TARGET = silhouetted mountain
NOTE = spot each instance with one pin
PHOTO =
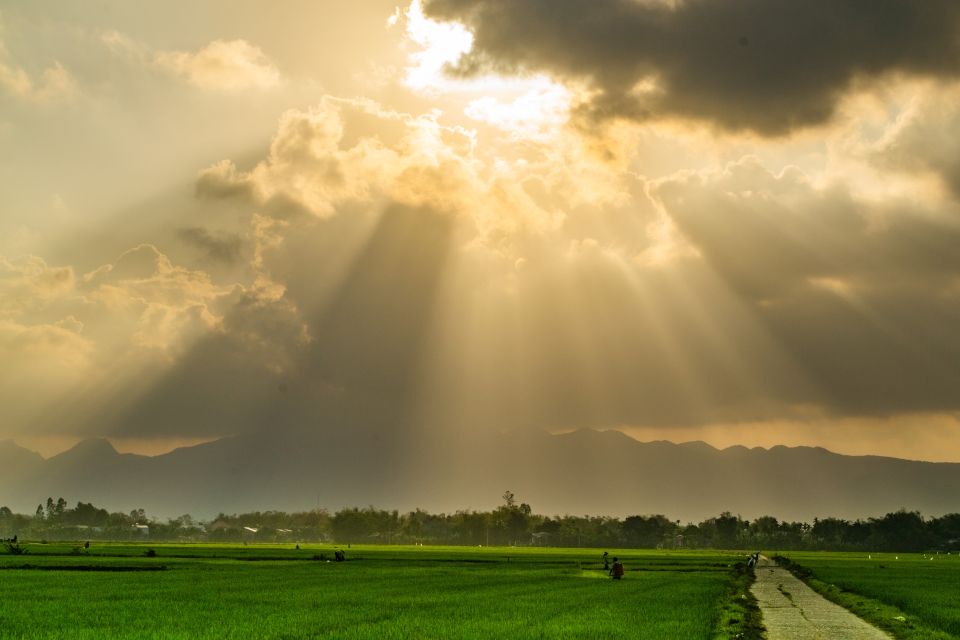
(91, 452)
(582, 472)
(17, 461)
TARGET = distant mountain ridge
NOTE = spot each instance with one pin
(581, 472)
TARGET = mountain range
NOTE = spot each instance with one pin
(581, 472)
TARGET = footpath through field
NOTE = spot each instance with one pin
(793, 611)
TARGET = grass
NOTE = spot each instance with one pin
(275, 591)
(911, 596)
(740, 616)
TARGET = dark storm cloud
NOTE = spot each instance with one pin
(764, 65)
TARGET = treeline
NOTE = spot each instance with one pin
(57, 521)
(512, 523)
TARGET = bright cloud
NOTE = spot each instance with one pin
(527, 106)
(226, 65)
(439, 46)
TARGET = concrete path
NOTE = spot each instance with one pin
(793, 611)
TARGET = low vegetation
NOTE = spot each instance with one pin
(740, 616)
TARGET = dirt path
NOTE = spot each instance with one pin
(793, 611)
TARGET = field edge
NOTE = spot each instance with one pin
(880, 614)
(740, 617)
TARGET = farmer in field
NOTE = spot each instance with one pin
(616, 571)
(606, 561)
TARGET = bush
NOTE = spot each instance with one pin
(15, 548)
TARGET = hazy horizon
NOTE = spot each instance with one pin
(716, 437)
(421, 223)
(584, 471)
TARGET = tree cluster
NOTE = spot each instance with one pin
(511, 523)
(55, 520)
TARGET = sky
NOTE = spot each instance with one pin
(734, 221)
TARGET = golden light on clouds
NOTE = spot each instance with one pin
(531, 105)
(439, 46)
(463, 216)
(226, 65)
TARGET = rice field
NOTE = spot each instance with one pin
(912, 596)
(277, 591)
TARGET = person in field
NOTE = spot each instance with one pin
(606, 561)
(616, 571)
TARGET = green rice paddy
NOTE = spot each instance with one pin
(276, 591)
(912, 596)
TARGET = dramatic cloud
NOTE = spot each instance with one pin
(164, 304)
(224, 65)
(121, 325)
(768, 66)
(312, 168)
(467, 252)
(306, 167)
(361, 237)
(229, 381)
(413, 258)
(857, 293)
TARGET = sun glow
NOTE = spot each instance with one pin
(529, 106)
(441, 44)
(541, 108)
